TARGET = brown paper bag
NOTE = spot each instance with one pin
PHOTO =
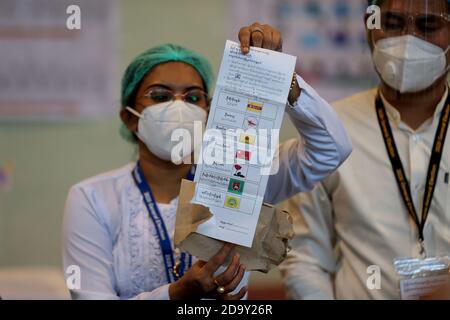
(270, 243)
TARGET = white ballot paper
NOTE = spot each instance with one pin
(240, 140)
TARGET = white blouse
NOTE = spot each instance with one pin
(108, 234)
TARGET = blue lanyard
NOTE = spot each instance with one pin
(174, 271)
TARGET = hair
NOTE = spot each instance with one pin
(149, 59)
(378, 3)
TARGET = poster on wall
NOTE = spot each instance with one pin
(58, 59)
(327, 36)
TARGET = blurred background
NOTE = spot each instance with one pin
(59, 101)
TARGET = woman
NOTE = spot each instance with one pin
(111, 229)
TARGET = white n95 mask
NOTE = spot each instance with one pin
(158, 122)
(409, 64)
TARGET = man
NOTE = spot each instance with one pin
(357, 221)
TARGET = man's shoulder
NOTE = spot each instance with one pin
(359, 102)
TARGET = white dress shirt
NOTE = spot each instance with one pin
(356, 217)
(107, 231)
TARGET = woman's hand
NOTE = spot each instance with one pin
(260, 35)
(199, 282)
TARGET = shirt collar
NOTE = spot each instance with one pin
(395, 115)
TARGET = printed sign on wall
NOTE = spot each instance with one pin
(58, 59)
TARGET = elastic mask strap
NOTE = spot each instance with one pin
(137, 114)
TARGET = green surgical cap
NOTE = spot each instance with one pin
(146, 61)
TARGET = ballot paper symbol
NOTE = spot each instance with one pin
(237, 171)
(254, 107)
(247, 139)
(242, 154)
(236, 186)
(232, 202)
(251, 123)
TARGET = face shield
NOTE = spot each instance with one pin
(410, 49)
(427, 20)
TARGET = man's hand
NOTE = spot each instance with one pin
(260, 35)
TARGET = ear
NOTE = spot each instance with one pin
(368, 31)
(366, 16)
(130, 120)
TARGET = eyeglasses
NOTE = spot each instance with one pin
(396, 23)
(194, 96)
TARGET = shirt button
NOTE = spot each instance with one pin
(414, 137)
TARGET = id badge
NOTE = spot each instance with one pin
(426, 278)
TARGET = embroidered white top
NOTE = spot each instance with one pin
(107, 231)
